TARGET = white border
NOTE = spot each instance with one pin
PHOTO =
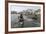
(23, 29)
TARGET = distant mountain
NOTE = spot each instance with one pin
(28, 11)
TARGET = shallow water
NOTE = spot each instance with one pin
(27, 22)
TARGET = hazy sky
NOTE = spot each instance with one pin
(21, 8)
